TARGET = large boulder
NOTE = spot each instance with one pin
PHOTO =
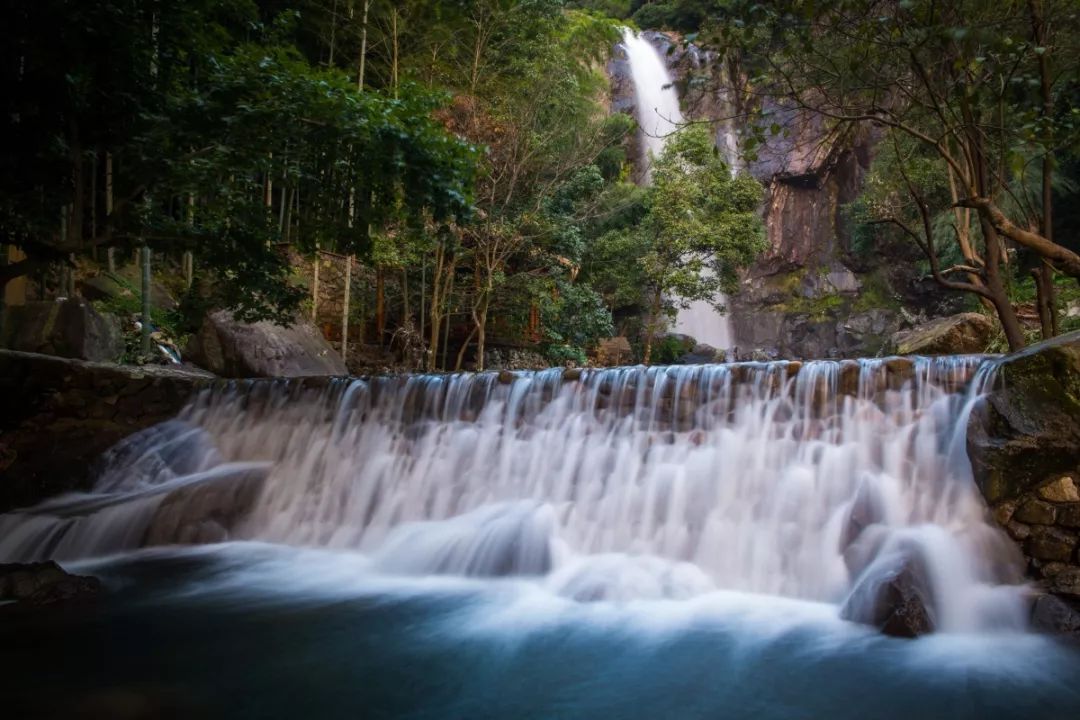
(232, 348)
(953, 335)
(895, 600)
(1026, 434)
(67, 328)
(44, 583)
(1056, 615)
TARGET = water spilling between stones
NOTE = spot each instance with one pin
(818, 481)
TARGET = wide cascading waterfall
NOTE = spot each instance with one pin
(792, 479)
(659, 115)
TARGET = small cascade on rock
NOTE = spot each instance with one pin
(829, 481)
(659, 115)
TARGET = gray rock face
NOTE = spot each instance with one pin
(44, 583)
(954, 335)
(230, 348)
(69, 328)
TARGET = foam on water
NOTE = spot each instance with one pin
(781, 479)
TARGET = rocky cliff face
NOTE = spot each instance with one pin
(807, 296)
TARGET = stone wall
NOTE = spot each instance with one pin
(1024, 442)
(59, 415)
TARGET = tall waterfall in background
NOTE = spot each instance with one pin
(817, 481)
(659, 115)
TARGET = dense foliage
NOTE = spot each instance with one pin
(971, 106)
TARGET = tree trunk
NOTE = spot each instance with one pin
(109, 252)
(650, 330)
(345, 308)
(380, 305)
(363, 47)
(145, 257)
(315, 287)
(1014, 333)
(1045, 300)
(480, 314)
(461, 350)
(1044, 279)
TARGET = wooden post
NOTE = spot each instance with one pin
(345, 309)
(109, 252)
(315, 289)
(145, 345)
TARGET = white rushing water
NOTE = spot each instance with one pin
(811, 481)
(659, 115)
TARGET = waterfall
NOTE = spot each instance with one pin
(802, 480)
(659, 115)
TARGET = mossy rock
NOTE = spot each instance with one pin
(1027, 432)
(953, 335)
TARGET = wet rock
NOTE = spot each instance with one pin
(1050, 543)
(571, 374)
(57, 417)
(953, 335)
(896, 602)
(1017, 531)
(68, 328)
(1003, 513)
(1065, 580)
(1028, 430)
(231, 348)
(44, 583)
(1057, 615)
(1036, 512)
(506, 377)
(1061, 490)
(1069, 515)
(208, 512)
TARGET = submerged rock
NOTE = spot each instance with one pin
(954, 335)
(896, 602)
(231, 348)
(1056, 615)
(44, 583)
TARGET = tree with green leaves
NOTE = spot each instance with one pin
(975, 86)
(221, 137)
(702, 227)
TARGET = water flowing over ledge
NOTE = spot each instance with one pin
(818, 481)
